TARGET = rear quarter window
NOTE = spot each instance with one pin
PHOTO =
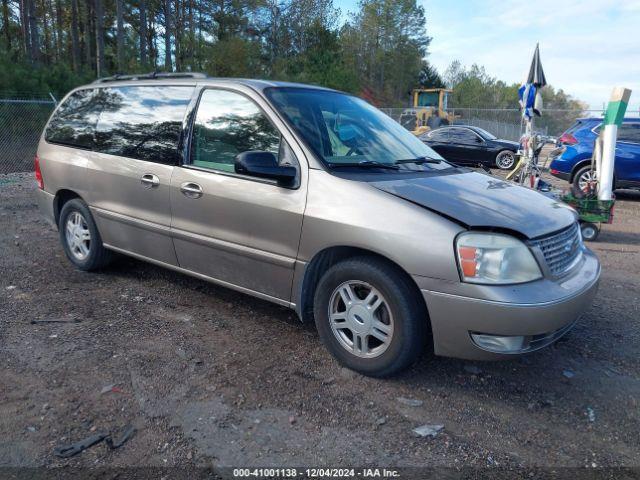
(74, 122)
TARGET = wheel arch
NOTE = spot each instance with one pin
(583, 163)
(579, 165)
(325, 259)
(62, 196)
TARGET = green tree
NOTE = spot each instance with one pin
(387, 41)
(474, 88)
(429, 77)
(322, 61)
(53, 45)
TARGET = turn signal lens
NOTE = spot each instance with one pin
(468, 261)
(495, 259)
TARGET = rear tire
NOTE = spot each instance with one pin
(80, 237)
(580, 179)
(382, 328)
(506, 160)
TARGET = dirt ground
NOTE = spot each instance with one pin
(210, 377)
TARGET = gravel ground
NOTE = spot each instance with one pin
(210, 377)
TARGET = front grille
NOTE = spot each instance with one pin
(561, 250)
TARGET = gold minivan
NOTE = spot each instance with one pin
(313, 199)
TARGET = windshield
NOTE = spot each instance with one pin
(428, 99)
(343, 130)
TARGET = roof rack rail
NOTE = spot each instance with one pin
(151, 76)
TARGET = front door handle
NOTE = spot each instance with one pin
(191, 190)
(149, 180)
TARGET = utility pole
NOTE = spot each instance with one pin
(167, 36)
(119, 36)
(143, 33)
(99, 38)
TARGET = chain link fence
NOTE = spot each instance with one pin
(507, 123)
(21, 124)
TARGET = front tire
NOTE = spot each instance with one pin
(370, 317)
(80, 237)
(505, 160)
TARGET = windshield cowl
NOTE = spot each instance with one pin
(401, 165)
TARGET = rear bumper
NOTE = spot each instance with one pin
(455, 318)
(45, 204)
(558, 174)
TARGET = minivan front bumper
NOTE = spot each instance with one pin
(489, 329)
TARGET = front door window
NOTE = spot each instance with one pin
(228, 123)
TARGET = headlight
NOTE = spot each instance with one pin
(493, 258)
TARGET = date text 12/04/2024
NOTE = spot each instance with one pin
(315, 473)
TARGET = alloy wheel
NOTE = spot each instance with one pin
(78, 235)
(361, 319)
(505, 160)
(586, 180)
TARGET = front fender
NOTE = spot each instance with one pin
(342, 212)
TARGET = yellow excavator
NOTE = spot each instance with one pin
(429, 110)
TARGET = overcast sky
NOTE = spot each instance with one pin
(587, 47)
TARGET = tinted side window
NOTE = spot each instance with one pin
(629, 132)
(74, 122)
(144, 123)
(462, 135)
(227, 124)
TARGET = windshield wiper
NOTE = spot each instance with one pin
(366, 164)
(418, 160)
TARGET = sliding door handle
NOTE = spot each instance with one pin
(149, 180)
(191, 190)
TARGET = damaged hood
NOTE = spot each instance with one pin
(482, 201)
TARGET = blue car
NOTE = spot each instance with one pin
(574, 163)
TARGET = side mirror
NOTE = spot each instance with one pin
(264, 165)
